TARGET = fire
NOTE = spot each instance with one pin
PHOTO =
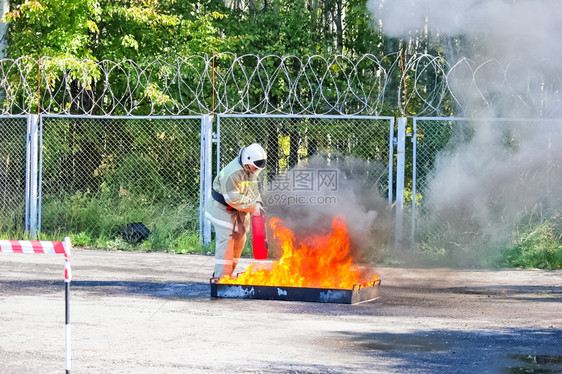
(319, 261)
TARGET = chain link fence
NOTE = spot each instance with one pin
(476, 181)
(13, 132)
(319, 167)
(293, 140)
(431, 138)
(468, 182)
(101, 173)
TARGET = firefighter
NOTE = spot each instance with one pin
(235, 196)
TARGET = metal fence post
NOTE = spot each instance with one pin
(40, 177)
(27, 170)
(414, 176)
(202, 177)
(207, 138)
(400, 171)
(390, 161)
(31, 184)
(218, 141)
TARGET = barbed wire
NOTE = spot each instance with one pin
(230, 83)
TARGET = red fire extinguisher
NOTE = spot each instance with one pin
(259, 237)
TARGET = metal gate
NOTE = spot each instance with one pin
(292, 140)
(471, 177)
(95, 174)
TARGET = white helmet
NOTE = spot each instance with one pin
(253, 155)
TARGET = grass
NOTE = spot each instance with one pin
(536, 243)
(538, 246)
(94, 221)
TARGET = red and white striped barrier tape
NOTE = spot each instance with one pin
(31, 246)
(35, 246)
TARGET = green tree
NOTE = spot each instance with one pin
(113, 30)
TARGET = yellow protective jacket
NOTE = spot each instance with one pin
(238, 186)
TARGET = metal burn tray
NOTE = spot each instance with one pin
(359, 293)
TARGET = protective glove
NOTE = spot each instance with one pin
(257, 210)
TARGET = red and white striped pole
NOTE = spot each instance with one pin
(67, 277)
(34, 246)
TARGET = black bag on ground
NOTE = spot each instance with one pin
(134, 233)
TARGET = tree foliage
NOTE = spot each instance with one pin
(149, 29)
(143, 31)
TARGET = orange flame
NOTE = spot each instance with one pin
(319, 261)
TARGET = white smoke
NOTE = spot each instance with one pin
(353, 196)
(525, 26)
(518, 40)
(511, 68)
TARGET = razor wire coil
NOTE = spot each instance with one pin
(271, 84)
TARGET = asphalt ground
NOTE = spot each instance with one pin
(134, 312)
